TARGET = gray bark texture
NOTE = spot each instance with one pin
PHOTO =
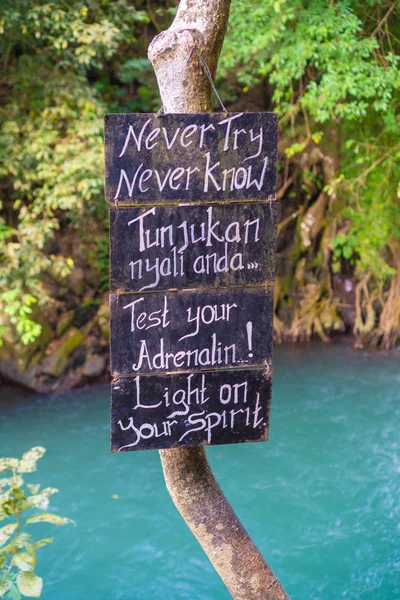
(185, 88)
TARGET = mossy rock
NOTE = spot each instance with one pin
(94, 366)
(64, 322)
(59, 352)
(22, 354)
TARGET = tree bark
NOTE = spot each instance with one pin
(184, 87)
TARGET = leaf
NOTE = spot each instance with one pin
(15, 502)
(317, 136)
(29, 584)
(8, 463)
(295, 149)
(4, 496)
(49, 518)
(44, 542)
(42, 499)
(12, 482)
(3, 558)
(5, 586)
(24, 561)
(22, 540)
(347, 252)
(27, 464)
(6, 532)
(13, 593)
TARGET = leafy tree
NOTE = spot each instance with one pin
(57, 61)
(333, 75)
(331, 70)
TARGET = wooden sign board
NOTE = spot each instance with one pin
(202, 157)
(190, 330)
(214, 407)
(188, 247)
(192, 245)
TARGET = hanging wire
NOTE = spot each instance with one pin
(207, 72)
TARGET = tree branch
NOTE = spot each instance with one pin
(181, 78)
(184, 87)
(207, 512)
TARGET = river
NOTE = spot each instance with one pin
(321, 498)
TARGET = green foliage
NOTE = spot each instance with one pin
(58, 60)
(370, 178)
(331, 70)
(334, 76)
(21, 505)
(343, 247)
(318, 57)
(18, 307)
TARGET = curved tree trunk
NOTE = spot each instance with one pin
(185, 88)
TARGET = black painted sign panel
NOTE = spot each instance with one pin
(190, 331)
(193, 219)
(160, 411)
(182, 157)
(161, 248)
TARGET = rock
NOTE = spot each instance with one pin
(94, 366)
(59, 351)
(27, 377)
(18, 361)
(21, 354)
(64, 322)
(36, 358)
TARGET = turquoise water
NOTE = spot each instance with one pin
(321, 498)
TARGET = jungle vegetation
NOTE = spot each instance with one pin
(329, 68)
